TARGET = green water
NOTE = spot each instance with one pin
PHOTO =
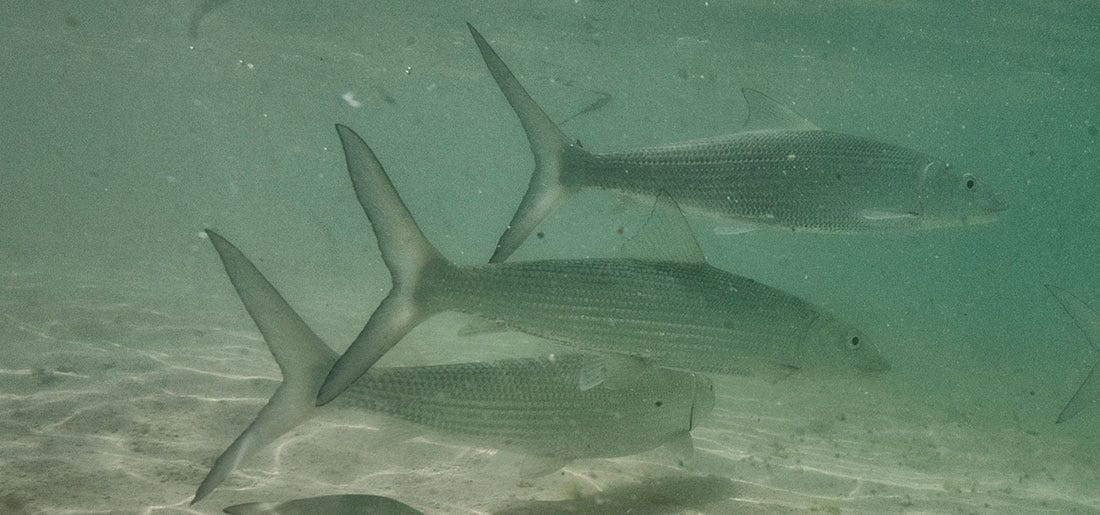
(127, 363)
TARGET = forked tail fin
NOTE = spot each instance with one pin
(302, 356)
(1088, 321)
(407, 254)
(548, 144)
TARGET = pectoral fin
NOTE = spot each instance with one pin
(879, 214)
(1088, 393)
(533, 467)
(682, 448)
(768, 114)
(611, 372)
(732, 228)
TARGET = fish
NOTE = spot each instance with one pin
(554, 408)
(1087, 321)
(780, 171)
(673, 494)
(659, 495)
(674, 310)
(342, 504)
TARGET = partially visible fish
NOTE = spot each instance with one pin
(782, 171)
(674, 494)
(200, 12)
(1088, 321)
(679, 313)
(558, 408)
(346, 504)
(659, 495)
(562, 407)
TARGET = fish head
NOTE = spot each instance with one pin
(951, 197)
(834, 344)
(702, 401)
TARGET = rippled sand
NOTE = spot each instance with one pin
(120, 400)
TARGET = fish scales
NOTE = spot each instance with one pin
(671, 313)
(781, 172)
(798, 179)
(556, 407)
(537, 404)
(681, 315)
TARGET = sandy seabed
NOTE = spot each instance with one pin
(118, 401)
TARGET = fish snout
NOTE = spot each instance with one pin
(995, 204)
(875, 365)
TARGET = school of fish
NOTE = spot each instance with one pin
(646, 329)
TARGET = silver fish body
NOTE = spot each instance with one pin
(789, 174)
(811, 180)
(561, 407)
(681, 314)
(540, 406)
(690, 316)
(341, 504)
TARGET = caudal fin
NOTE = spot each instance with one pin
(1088, 321)
(548, 144)
(407, 254)
(302, 356)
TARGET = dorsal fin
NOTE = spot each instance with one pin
(766, 113)
(666, 236)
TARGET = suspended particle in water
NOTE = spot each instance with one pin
(349, 98)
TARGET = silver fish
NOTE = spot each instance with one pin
(783, 171)
(682, 314)
(346, 504)
(562, 407)
(1088, 321)
(557, 408)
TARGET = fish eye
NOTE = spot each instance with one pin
(969, 182)
(854, 342)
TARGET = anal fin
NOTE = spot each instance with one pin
(479, 326)
(666, 236)
(682, 448)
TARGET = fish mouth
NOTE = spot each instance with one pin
(875, 366)
(994, 206)
(987, 214)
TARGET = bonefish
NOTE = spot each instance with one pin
(682, 314)
(554, 408)
(782, 171)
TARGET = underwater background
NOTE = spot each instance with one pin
(127, 362)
